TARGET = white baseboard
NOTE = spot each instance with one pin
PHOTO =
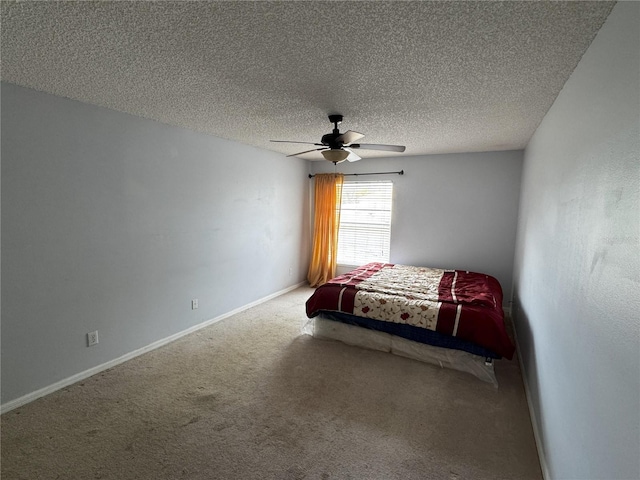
(534, 420)
(30, 397)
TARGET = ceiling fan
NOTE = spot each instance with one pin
(337, 147)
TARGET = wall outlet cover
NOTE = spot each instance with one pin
(92, 338)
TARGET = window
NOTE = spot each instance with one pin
(365, 223)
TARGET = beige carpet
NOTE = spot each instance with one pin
(249, 398)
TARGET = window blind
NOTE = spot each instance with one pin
(365, 222)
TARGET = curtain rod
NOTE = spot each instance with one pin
(401, 172)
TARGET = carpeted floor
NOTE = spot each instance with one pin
(249, 398)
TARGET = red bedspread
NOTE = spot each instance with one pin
(466, 305)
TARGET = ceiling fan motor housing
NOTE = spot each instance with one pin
(330, 138)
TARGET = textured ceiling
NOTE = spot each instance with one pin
(435, 76)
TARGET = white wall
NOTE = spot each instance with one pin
(450, 211)
(577, 274)
(114, 223)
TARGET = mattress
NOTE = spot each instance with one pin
(480, 367)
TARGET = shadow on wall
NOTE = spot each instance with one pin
(525, 347)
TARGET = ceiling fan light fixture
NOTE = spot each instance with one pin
(335, 156)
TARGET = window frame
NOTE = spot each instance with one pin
(353, 261)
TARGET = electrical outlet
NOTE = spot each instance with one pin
(290, 271)
(92, 338)
(194, 304)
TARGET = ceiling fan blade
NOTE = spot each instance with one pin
(353, 157)
(349, 137)
(375, 146)
(307, 151)
(293, 141)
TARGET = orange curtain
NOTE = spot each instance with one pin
(328, 195)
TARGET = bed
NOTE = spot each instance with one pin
(452, 318)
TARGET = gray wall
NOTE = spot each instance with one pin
(114, 223)
(450, 211)
(577, 279)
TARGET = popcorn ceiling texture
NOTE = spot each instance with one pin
(435, 76)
